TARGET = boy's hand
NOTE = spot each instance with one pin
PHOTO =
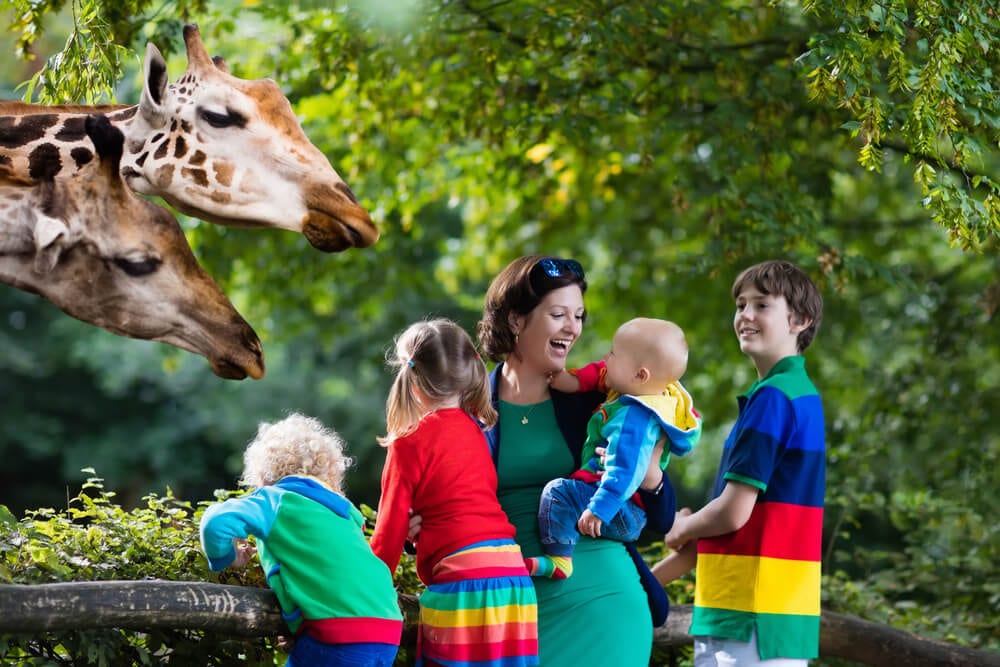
(676, 538)
(244, 553)
(565, 382)
(589, 524)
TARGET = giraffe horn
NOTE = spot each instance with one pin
(198, 57)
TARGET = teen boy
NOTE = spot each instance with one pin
(757, 589)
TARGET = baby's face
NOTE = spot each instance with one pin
(622, 367)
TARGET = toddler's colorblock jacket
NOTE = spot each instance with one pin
(314, 553)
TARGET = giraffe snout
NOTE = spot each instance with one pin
(349, 226)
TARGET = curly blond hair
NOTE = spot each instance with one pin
(296, 445)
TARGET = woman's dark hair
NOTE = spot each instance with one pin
(519, 288)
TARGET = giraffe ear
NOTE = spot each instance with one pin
(48, 232)
(154, 86)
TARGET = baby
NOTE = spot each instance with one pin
(646, 405)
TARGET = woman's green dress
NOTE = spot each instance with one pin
(599, 616)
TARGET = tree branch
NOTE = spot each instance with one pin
(964, 172)
(492, 25)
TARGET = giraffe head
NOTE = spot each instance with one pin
(116, 260)
(231, 151)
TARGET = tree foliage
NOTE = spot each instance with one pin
(667, 145)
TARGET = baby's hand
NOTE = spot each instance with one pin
(565, 382)
(244, 553)
(589, 524)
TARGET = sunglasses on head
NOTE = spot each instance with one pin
(555, 267)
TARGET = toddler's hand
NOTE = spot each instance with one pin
(244, 553)
(589, 524)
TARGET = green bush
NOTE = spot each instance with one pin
(95, 539)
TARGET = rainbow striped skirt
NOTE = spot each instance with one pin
(480, 610)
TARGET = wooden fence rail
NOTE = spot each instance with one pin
(240, 611)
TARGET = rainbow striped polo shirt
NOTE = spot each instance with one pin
(766, 575)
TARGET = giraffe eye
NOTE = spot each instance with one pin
(222, 120)
(136, 268)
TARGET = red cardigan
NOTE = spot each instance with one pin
(443, 472)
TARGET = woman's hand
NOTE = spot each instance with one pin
(654, 473)
(676, 564)
(416, 522)
(410, 545)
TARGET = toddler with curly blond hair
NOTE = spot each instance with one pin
(336, 596)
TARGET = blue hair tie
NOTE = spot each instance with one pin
(410, 362)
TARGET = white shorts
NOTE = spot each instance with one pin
(716, 652)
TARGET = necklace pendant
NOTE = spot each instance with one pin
(524, 419)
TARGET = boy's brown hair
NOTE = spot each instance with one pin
(785, 279)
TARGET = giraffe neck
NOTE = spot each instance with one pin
(39, 143)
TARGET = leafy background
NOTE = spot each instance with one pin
(667, 146)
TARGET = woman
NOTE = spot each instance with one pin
(532, 316)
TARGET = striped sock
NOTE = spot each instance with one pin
(563, 567)
(552, 567)
(538, 567)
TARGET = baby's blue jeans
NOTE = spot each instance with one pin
(563, 500)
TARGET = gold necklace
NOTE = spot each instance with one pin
(524, 417)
